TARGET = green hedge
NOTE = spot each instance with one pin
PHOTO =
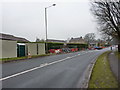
(52, 45)
(57, 45)
(79, 46)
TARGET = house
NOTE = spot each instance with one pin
(92, 44)
(77, 40)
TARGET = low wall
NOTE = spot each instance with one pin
(32, 48)
(36, 48)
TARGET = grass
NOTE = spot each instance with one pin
(117, 54)
(21, 58)
(3, 60)
(102, 76)
(14, 58)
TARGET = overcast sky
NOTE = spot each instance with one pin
(25, 18)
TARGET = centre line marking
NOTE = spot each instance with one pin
(38, 67)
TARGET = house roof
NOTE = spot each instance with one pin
(11, 37)
(76, 39)
(53, 40)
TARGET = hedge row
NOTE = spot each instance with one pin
(57, 45)
(69, 45)
(79, 46)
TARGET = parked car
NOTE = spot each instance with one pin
(98, 48)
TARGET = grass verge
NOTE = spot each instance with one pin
(21, 58)
(12, 59)
(102, 76)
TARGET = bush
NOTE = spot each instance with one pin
(79, 46)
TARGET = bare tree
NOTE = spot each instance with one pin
(39, 40)
(107, 14)
(106, 38)
(90, 37)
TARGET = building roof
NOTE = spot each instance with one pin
(53, 40)
(13, 38)
(77, 40)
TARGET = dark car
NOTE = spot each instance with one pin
(98, 48)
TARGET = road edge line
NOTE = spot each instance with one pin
(88, 73)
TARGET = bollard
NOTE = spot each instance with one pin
(111, 48)
(29, 55)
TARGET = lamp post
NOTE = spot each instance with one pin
(46, 46)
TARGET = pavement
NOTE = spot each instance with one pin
(115, 65)
(58, 71)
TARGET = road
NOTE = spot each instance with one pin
(57, 71)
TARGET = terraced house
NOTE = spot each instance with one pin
(79, 40)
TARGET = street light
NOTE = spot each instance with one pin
(46, 24)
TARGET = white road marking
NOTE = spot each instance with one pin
(38, 67)
(42, 65)
(19, 73)
(68, 57)
(73, 56)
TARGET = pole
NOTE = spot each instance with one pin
(46, 30)
(46, 43)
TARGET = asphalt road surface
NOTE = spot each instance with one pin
(57, 71)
